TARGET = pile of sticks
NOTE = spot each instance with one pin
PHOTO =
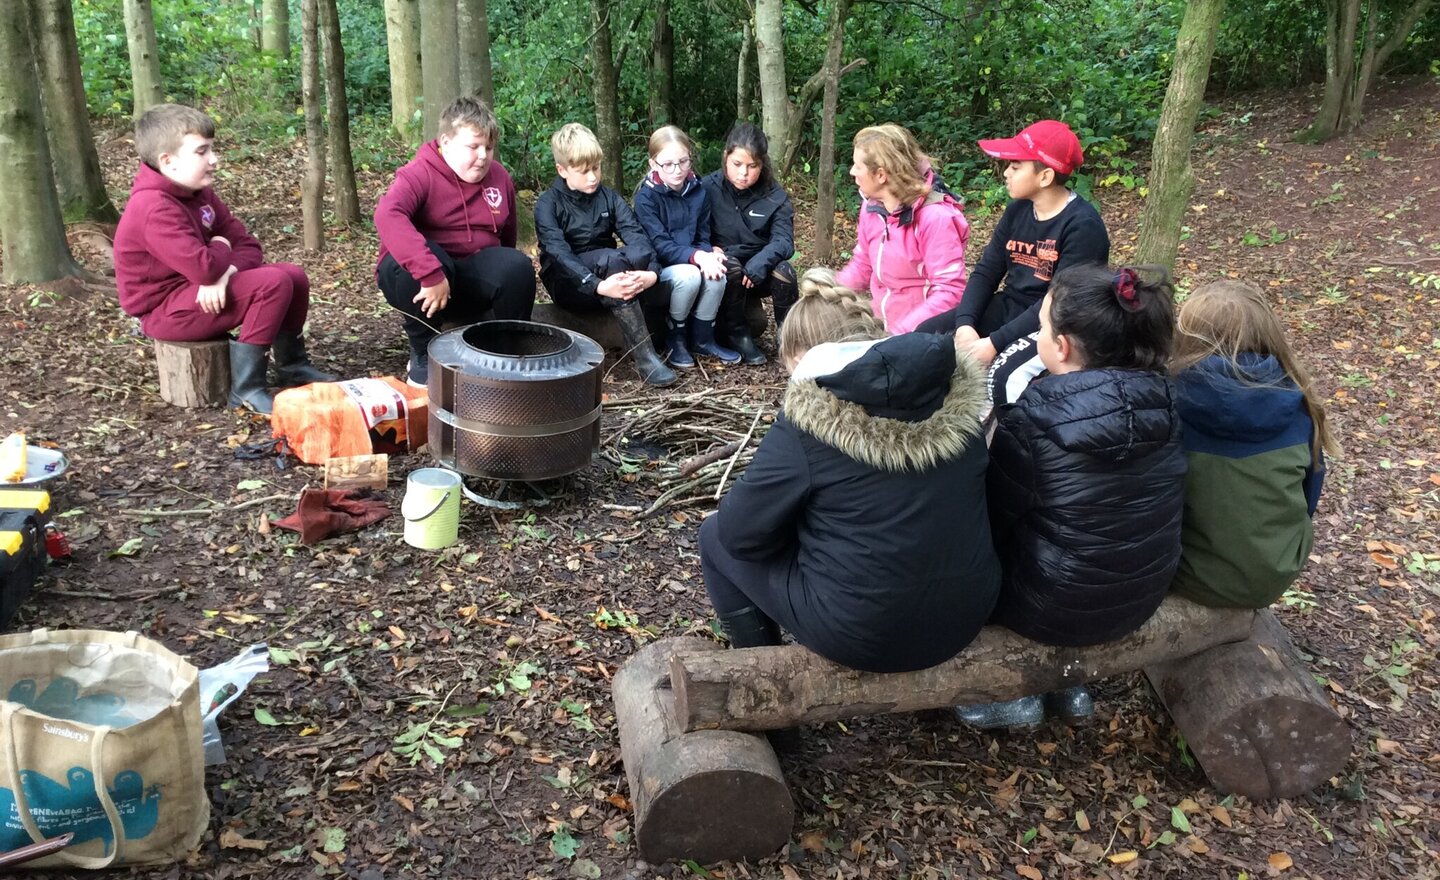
(710, 436)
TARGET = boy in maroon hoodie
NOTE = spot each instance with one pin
(447, 230)
(186, 267)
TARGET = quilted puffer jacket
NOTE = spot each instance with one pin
(1086, 491)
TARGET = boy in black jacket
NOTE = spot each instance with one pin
(581, 265)
(1045, 228)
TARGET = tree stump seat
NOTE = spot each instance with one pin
(690, 715)
(194, 374)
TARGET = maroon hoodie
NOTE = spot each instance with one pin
(427, 201)
(164, 243)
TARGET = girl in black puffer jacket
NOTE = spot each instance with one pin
(1086, 478)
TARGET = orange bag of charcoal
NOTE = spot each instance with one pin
(325, 420)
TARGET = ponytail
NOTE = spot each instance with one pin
(1122, 318)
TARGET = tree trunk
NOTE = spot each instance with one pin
(78, 179)
(439, 59)
(275, 28)
(825, 190)
(144, 56)
(662, 67)
(605, 91)
(1172, 178)
(342, 164)
(32, 233)
(312, 187)
(1253, 715)
(476, 76)
(402, 37)
(1348, 77)
(706, 795)
(743, 89)
(795, 128)
(774, 688)
(774, 92)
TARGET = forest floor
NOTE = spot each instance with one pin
(509, 639)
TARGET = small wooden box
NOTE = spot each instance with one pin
(357, 472)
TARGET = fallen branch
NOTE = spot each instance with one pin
(694, 464)
(200, 511)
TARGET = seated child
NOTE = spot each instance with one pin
(577, 220)
(1044, 229)
(1255, 438)
(675, 211)
(911, 233)
(186, 267)
(1087, 475)
(860, 526)
(752, 223)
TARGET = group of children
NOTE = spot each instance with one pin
(1130, 455)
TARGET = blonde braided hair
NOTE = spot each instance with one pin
(826, 312)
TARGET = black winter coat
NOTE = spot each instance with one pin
(868, 494)
(569, 223)
(1086, 491)
(756, 226)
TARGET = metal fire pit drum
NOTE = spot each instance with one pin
(514, 400)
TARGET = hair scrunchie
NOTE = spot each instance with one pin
(1126, 291)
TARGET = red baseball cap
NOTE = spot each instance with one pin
(1047, 141)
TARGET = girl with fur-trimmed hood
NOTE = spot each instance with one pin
(860, 525)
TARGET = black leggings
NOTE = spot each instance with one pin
(780, 285)
(499, 280)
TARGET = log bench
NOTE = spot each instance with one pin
(602, 327)
(194, 374)
(706, 785)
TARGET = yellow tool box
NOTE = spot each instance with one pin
(23, 513)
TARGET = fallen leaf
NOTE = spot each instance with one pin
(813, 841)
(1082, 821)
(1221, 815)
(1196, 845)
(232, 839)
(403, 801)
(1280, 861)
(1387, 746)
(1124, 858)
(1028, 872)
(1386, 562)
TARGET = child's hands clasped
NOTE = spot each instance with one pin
(711, 264)
(211, 297)
(626, 285)
(969, 342)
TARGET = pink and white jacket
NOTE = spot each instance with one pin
(911, 261)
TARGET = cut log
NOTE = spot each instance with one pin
(599, 326)
(605, 330)
(710, 795)
(773, 688)
(194, 374)
(1254, 716)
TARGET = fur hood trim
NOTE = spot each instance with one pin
(892, 444)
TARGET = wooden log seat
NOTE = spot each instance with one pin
(602, 328)
(194, 374)
(707, 795)
(1253, 715)
(705, 789)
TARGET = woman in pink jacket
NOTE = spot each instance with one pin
(910, 246)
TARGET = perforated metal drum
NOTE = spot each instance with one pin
(514, 400)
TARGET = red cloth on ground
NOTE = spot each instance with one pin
(325, 512)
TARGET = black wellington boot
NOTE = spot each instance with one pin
(737, 330)
(638, 345)
(292, 362)
(247, 377)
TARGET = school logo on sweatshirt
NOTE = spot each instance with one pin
(207, 216)
(493, 198)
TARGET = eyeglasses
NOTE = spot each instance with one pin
(672, 167)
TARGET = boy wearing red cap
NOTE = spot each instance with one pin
(1045, 228)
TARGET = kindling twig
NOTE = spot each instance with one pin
(725, 476)
(219, 508)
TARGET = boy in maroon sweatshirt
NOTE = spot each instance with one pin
(186, 267)
(447, 230)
